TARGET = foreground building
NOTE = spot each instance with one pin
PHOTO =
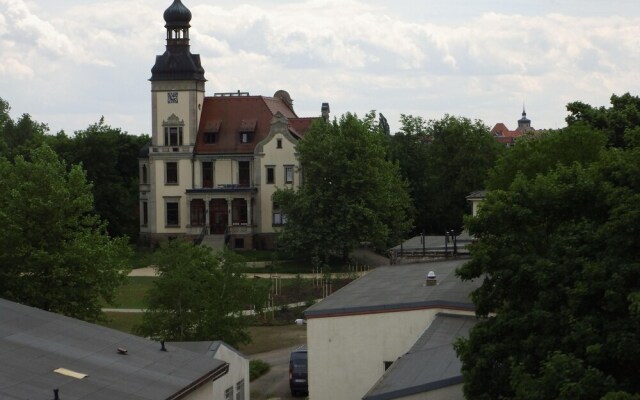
(41, 352)
(389, 335)
(214, 162)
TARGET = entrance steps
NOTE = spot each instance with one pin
(216, 242)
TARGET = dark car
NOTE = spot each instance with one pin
(298, 371)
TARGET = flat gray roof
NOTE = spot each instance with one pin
(431, 363)
(397, 288)
(33, 343)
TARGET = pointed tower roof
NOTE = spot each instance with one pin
(524, 118)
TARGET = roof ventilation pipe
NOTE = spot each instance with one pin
(431, 279)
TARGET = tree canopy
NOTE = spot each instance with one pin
(443, 160)
(558, 255)
(199, 295)
(54, 250)
(350, 192)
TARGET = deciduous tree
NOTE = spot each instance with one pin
(350, 192)
(54, 250)
(199, 295)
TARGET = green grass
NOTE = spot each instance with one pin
(124, 322)
(257, 368)
(267, 338)
(142, 257)
(131, 294)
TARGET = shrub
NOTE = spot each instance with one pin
(257, 368)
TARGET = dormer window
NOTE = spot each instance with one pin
(279, 143)
(210, 137)
(247, 130)
(211, 131)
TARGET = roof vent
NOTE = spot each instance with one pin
(431, 279)
(122, 350)
(162, 348)
(55, 394)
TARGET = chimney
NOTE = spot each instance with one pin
(325, 112)
(431, 279)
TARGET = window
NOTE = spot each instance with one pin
(210, 137)
(143, 174)
(279, 143)
(239, 243)
(145, 213)
(173, 136)
(239, 211)
(228, 393)
(278, 217)
(244, 173)
(246, 137)
(207, 174)
(197, 212)
(171, 173)
(271, 174)
(173, 213)
(240, 390)
(288, 174)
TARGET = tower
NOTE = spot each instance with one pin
(177, 85)
(524, 123)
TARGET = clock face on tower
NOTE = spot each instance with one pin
(172, 97)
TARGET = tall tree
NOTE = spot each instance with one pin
(54, 251)
(544, 151)
(198, 296)
(459, 158)
(617, 121)
(18, 138)
(110, 157)
(350, 192)
(559, 258)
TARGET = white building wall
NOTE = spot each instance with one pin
(204, 392)
(238, 371)
(347, 353)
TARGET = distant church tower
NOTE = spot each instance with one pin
(524, 123)
(177, 85)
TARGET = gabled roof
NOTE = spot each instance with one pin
(34, 343)
(430, 364)
(228, 116)
(399, 288)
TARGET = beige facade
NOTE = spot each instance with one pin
(214, 162)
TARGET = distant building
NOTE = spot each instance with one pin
(476, 198)
(42, 351)
(390, 334)
(214, 162)
(507, 137)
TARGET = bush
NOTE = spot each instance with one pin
(257, 368)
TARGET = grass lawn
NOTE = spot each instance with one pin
(131, 294)
(122, 321)
(267, 338)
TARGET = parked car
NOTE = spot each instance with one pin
(298, 382)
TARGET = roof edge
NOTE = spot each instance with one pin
(211, 375)
(427, 387)
(380, 309)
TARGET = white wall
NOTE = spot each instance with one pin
(347, 353)
(238, 370)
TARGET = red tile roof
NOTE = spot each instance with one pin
(231, 115)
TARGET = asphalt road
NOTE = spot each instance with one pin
(275, 383)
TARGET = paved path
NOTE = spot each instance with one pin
(275, 383)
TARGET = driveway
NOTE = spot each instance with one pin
(275, 383)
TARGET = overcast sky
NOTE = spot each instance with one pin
(69, 62)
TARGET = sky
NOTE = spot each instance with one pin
(67, 63)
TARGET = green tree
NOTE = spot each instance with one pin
(54, 251)
(544, 151)
(18, 138)
(110, 157)
(199, 295)
(459, 159)
(559, 259)
(617, 121)
(350, 192)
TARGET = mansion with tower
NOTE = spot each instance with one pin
(214, 162)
